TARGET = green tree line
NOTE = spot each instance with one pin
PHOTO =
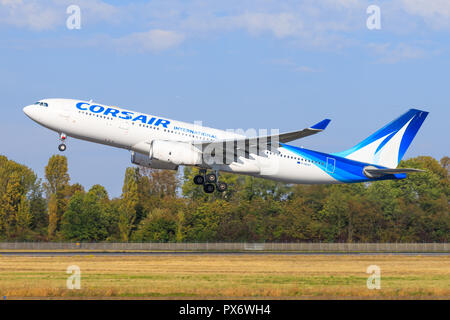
(163, 206)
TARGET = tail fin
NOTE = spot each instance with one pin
(387, 146)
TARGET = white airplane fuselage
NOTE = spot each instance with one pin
(135, 131)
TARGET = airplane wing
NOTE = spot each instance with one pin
(245, 146)
(294, 135)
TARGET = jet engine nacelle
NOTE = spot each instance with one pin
(179, 153)
(145, 161)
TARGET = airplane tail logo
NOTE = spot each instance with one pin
(387, 146)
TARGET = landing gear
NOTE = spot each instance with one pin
(199, 179)
(208, 188)
(211, 178)
(210, 182)
(222, 186)
(62, 147)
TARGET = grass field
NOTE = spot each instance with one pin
(227, 276)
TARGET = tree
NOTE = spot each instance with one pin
(336, 211)
(150, 209)
(158, 226)
(17, 182)
(264, 188)
(58, 191)
(52, 215)
(10, 202)
(38, 209)
(445, 163)
(84, 219)
(23, 218)
(203, 223)
(156, 182)
(155, 187)
(180, 220)
(129, 201)
(100, 193)
(56, 174)
(112, 214)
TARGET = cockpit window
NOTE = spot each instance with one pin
(42, 104)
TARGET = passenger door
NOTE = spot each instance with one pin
(331, 164)
(124, 125)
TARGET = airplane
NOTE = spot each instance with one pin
(163, 143)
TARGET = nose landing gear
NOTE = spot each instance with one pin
(210, 182)
(62, 147)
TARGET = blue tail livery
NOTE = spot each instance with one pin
(387, 146)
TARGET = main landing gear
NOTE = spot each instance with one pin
(62, 147)
(210, 182)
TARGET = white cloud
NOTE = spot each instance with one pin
(281, 25)
(42, 15)
(293, 66)
(305, 24)
(435, 13)
(393, 53)
(318, 24)
(98, 10)
(306, 69)
(34, 15)
(150, 41)
(343, 3)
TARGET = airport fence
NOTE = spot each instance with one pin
(229, 246)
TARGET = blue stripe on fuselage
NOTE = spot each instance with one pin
(345, 170)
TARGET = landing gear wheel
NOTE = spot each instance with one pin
(199, 179)
(222, 186)
(208, 188)
(62, 147)
(211, 178)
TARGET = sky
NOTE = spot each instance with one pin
(230, 64)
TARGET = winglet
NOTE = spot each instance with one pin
(321, 125)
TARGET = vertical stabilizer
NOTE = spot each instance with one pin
(387, 146)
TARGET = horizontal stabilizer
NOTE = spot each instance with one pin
(373, 172)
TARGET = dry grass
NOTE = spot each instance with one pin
(220, 276)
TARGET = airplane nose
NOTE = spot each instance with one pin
(30, 111)
(27, 110)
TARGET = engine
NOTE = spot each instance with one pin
(166, 155)
(143, 160)
(179, 153)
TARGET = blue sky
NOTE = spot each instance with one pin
(232, 64)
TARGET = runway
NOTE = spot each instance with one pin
(203, 253)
